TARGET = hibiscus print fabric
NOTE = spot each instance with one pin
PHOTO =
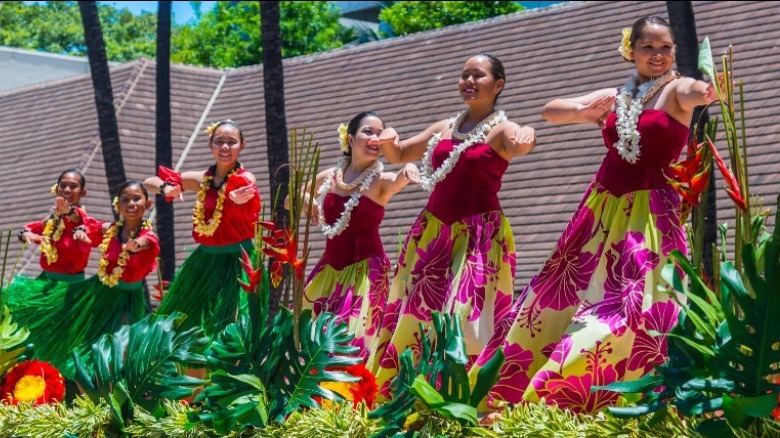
(466, 268)
(356, 294)
(589, 317)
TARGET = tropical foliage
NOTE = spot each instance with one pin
(407, 17)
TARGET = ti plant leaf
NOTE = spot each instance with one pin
(139, 364)
(11, 338)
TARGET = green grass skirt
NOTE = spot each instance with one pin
(206, 288)
(62, 316)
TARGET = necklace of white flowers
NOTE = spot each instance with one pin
(365, 178)
(628, 109)
(428, 177)
(113, 278)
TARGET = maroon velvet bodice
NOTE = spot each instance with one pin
(472, 186)
(661, 140)
(360, 240)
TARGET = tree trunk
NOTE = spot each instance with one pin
(684, 27)
(104, 97)
(163, 155)
(275, 121)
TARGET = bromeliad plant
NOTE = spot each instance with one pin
(724, 354)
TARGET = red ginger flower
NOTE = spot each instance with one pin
(283, 247)
(688, 177)
(254, 275)
(732, 187)
(364, 390)
(33, 381)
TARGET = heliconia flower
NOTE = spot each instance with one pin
(284, 249)
(689, 177)
(270, 226)
(254, 275)
(364, 390)
(33, 381)
(732, 188)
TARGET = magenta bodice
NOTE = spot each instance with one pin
(661, 139)
(471, 187)
(360, 240)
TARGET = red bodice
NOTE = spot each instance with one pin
(72, 255)
(140, 264)
(661, 140)
(471, 187)
(360, 240)
(238, 221)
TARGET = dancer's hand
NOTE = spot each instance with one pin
(242, 195)
(524, 139)
(62, 206)
(79, 233)
(172, 191)
(388, 137)
(133, 245)
(598, 110)
(314, 216)
(411, 173)
(30, 237)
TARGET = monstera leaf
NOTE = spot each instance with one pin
(325, 344)
(11, 336)
(138, 364)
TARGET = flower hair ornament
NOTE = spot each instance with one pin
(625, 46)
(343, 138)
(115, 204)
(53, 189)
(213, 127)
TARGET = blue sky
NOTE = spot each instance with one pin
(182, 10)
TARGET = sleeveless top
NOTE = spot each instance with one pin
(360, 240)
(238, 221)
(471, 187)
(661, 138)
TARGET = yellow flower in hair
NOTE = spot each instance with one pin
(53, 190)
(625, 45)
(343, 138)
(115, 204)
(210, 130)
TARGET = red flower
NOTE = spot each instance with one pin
(364, 389)
(732, 187)
(33, 381)
(688, 177)
(284, 249)
(254, 275)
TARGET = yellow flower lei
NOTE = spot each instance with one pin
(112, 279)
(51, 235)
(198, 215)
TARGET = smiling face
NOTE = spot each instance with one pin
(369, 127)
(133, 202)
(226, 144)
(477, 83)
(653, 51)
(70, 188)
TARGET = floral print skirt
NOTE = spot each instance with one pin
(466, 268)
(356, 294)
(589, 317)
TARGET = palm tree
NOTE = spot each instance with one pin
(275, 120)
(162, 144)
(104, 96)
(684, 27)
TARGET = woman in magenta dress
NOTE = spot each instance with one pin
(206, 287)
(459, 257)
(586, 318)
(351, 278)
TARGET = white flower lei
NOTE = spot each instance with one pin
(428, 177)
(341, 224)
(628, 111)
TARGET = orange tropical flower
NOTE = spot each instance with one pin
(33, 381)
(690, 176)
(364, 390)
(732, 186)
(283, 247)
(254, 275)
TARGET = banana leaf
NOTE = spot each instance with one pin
(139, 364)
